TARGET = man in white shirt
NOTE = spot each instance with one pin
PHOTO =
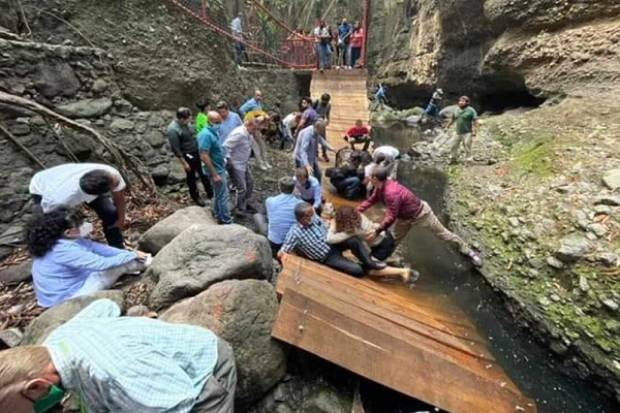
(73, 184)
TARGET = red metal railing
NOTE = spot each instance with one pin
(289, 49)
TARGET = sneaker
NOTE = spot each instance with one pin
(475, 258)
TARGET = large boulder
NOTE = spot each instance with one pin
(56, 80)
(242, 313)
(86, 108)
(203, 255)
(43, 325)
(166, 230)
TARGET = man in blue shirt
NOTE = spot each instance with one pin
(230, 120)
(308, 188)
(121, 365)
(281, 213)
(344, 37)
(256, 103)
(212, 156)
(305, 153)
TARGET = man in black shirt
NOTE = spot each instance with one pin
(185, 148)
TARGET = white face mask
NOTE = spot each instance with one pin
(86, 229)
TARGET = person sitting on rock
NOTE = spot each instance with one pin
(347, 179)
(73, 184)
(308, 189)
(348, 226)
(281, 213)
(309, 239)
(358, 134)
(67, 264)
(122, 365)
(405, 210)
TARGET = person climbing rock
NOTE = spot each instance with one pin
(380, 95)
(73, 184)
(68, 264)
(405, 210)
(359, 133)
(466, 119)
(432, 109)
(214, 161)
(185, 147)
(122, 365)
(308, 237)
(281, 213)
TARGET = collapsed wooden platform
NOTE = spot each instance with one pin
(410, 341)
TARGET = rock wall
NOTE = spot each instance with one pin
(494, 48)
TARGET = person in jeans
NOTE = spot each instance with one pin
(99, 186)
(405, 210)
(308, 237)
(213, 159)
(466, 119)
(322, 39)
(356, 44)
(281, 213)
(306, 153)
(185, 147)
(122, 365)
(344, 38)
(67, 264)
(236, 29)
(237, 150)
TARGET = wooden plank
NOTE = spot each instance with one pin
(307, 321)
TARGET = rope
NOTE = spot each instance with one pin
(215, 28)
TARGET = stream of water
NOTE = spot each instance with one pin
(533, 367)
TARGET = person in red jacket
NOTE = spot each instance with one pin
(405, 210)
(358, 134)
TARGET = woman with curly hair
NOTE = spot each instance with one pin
(67, 264)
(348, 225)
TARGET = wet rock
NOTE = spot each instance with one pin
(56, 80)
(242, 313)
(573, 248)
(122, 125)
(611, 304)
(555, 263)
(166, 230)
(86, 108)
(611, 179)
(43, 325)
(203, 255)
(305, 395)
(11, 337)
(16, 274)
(154, 138)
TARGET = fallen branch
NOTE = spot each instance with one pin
(27, 151)
(125, 161)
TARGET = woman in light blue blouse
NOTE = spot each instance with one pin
(67, 264)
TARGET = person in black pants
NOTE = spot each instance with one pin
(185, 148)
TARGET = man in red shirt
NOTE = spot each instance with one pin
(358, 134)
(404, 210)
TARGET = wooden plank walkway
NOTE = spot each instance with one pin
(410, 340)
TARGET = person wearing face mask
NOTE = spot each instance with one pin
(67, 264)
(120, 364)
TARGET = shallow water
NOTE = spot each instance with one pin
(531, 366)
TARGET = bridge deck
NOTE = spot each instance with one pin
(410, 340)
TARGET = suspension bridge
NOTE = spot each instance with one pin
(412, 341)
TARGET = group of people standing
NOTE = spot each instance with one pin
(341, 45)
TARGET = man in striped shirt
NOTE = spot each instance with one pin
(309, 239)
(122, 365)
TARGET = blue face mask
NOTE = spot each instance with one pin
(51, 400)
(216, 127)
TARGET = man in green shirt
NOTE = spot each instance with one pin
(466, 120)
(201, 117)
